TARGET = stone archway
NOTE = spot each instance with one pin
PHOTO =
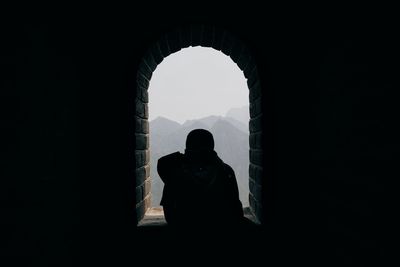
(171, 42)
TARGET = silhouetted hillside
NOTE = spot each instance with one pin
(231, 144)
(208, 121)
(211, 120)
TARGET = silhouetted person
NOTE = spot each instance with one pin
(199, 188)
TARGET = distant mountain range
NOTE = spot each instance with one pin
(231, 144)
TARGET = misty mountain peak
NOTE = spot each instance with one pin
(162, 125)
(161, 119)
(208, 121)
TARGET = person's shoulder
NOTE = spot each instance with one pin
(167, 164)
(228, 169)
(171, 157)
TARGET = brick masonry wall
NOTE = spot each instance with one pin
(256, 145)
(171, 42)
(142, 154)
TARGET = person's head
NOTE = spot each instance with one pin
(200, 140)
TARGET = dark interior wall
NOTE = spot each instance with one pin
(67, 105)
(39, 173)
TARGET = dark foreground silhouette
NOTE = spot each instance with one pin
(200, 190)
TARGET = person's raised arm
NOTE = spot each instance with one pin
(167, 164)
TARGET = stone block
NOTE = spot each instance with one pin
(141, 141)
(256, 174)
(174, 41)
(255, 91)
(147, 187)
(142, 81)
(145, 70)
(156, 53)
(142, 110)
(141, 93)
(255, 190)
(164, 47)
(255, 124)
(139, 158)
(141, 125)
(236, 51)
(253, 78)
(147, 202)
(139, 193)
(249, 67)
(244, 59)
(142, 158)
(145, 96)
(256, 140)
(252, 203)
(140, 210)
(140, 174)
(256, 157)
(255, 108)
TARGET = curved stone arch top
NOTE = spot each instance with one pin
(171, 42)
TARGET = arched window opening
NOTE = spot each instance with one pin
(209, 103)
(199, 88)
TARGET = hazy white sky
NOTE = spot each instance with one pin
(196, 82)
